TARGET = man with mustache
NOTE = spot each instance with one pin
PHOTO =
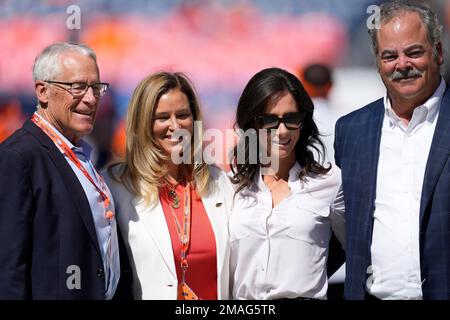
(58, 235)
(394, 157)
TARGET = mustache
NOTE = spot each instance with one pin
(405, 74)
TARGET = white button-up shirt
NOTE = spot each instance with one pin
(281, 252)
(404, 152)
(325, 118)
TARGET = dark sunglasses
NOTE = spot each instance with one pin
(292, 121)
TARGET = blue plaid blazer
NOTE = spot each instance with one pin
(357, 146)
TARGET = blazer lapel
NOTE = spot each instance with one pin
(155, 222)
(439, 153)
(216, 209)
(73, 185)
(370, 154)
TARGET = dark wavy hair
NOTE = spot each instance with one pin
(264, 89)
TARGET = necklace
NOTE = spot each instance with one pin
(184, 230)
(175, 200)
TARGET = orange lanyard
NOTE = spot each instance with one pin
(72, 157)
(184, 231)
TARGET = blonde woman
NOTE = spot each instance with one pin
(173, 215)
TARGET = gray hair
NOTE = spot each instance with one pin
(391, 9)
(46, 65)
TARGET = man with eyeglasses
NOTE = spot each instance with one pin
(58, 233)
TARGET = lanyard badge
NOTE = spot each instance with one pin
(72, 157)
(184, 230)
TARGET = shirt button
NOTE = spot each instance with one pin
(100, 273)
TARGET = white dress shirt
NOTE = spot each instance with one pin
(395, 269)
(325, 118)
(281, 252)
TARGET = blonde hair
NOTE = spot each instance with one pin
(143, 168)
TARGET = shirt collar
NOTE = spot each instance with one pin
(83, 146)
(294, 173)
(430, 108)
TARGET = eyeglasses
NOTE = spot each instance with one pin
(292, 121)
(79, 89)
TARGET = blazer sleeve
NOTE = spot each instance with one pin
(16, 218)
(337, 149)
(337, 241)
(337, 217)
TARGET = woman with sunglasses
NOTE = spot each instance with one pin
(286, 203)
(173, 213)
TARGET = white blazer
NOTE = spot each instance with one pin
(148, 242)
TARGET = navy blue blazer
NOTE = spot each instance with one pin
(357, 146)
(46, 226)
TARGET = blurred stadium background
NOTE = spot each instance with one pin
(219, 44)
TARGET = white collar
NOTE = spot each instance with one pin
(425, 112)
(294, 173)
